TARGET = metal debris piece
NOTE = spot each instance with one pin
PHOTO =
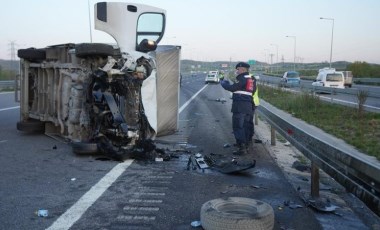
(322, 206)
(196, 223)
(42, 213)
(200, 161)
(294, 206)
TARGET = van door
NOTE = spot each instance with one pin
(129, 24)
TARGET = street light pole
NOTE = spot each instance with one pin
(295, 45)
(277, 54)
(332, 36)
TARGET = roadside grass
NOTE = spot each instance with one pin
(361, 130)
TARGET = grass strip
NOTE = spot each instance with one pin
(360, 129)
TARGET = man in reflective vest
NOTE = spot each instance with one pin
(242, 106)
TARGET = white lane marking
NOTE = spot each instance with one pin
(9, 108)
(192, 98)
(67, 219)
(75, 212)
(7, 92)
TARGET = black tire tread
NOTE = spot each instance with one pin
(32, 54)
(84, 50)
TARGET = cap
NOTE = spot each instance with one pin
(242, 64)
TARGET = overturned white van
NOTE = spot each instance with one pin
(102, 97)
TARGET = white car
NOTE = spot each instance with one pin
(212, 78)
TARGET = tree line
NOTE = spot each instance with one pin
(364, 69)
(6, 74)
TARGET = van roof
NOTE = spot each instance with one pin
(327, 69)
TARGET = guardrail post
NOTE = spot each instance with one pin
(314, 180)
(272, 136)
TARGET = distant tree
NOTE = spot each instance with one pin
(360, 69)
(375, 71)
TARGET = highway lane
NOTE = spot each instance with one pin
(146, 195)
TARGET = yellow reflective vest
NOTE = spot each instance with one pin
(255, 96)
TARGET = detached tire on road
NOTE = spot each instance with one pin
(84, 50)
(31, 126)
(236, 213)
(84, 148)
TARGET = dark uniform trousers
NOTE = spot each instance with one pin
(242, 126)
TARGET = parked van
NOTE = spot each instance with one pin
(329, 77)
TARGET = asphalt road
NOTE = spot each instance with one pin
(40, 172)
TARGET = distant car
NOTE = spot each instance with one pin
(291, 78)
(212, 78)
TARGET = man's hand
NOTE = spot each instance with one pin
(224, 82)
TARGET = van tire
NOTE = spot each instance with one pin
(84, 148)
(32, 54)
(236, 213)
(84, 50)
(31, 126)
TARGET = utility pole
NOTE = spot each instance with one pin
(271, 61)
(12, 44)
(283, 62)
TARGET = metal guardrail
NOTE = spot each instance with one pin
(366, 80)
(6, 84)
(357, 172)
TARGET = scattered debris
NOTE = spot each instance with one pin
(258, 141)
(226, 145)
(257, 187)
(73, 179)
(42, 213)
(301, 166)
(294, 206)
(229, 166)
(54, 147)
(322, 206)
(196, 223)
(303, 178)
(223, 100)
(287, 143)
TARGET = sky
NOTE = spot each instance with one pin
(214, 30)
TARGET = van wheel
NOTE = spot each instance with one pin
(32, 54)
(236, 213)
(84, 50)
(84, 148)
(31, 126)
